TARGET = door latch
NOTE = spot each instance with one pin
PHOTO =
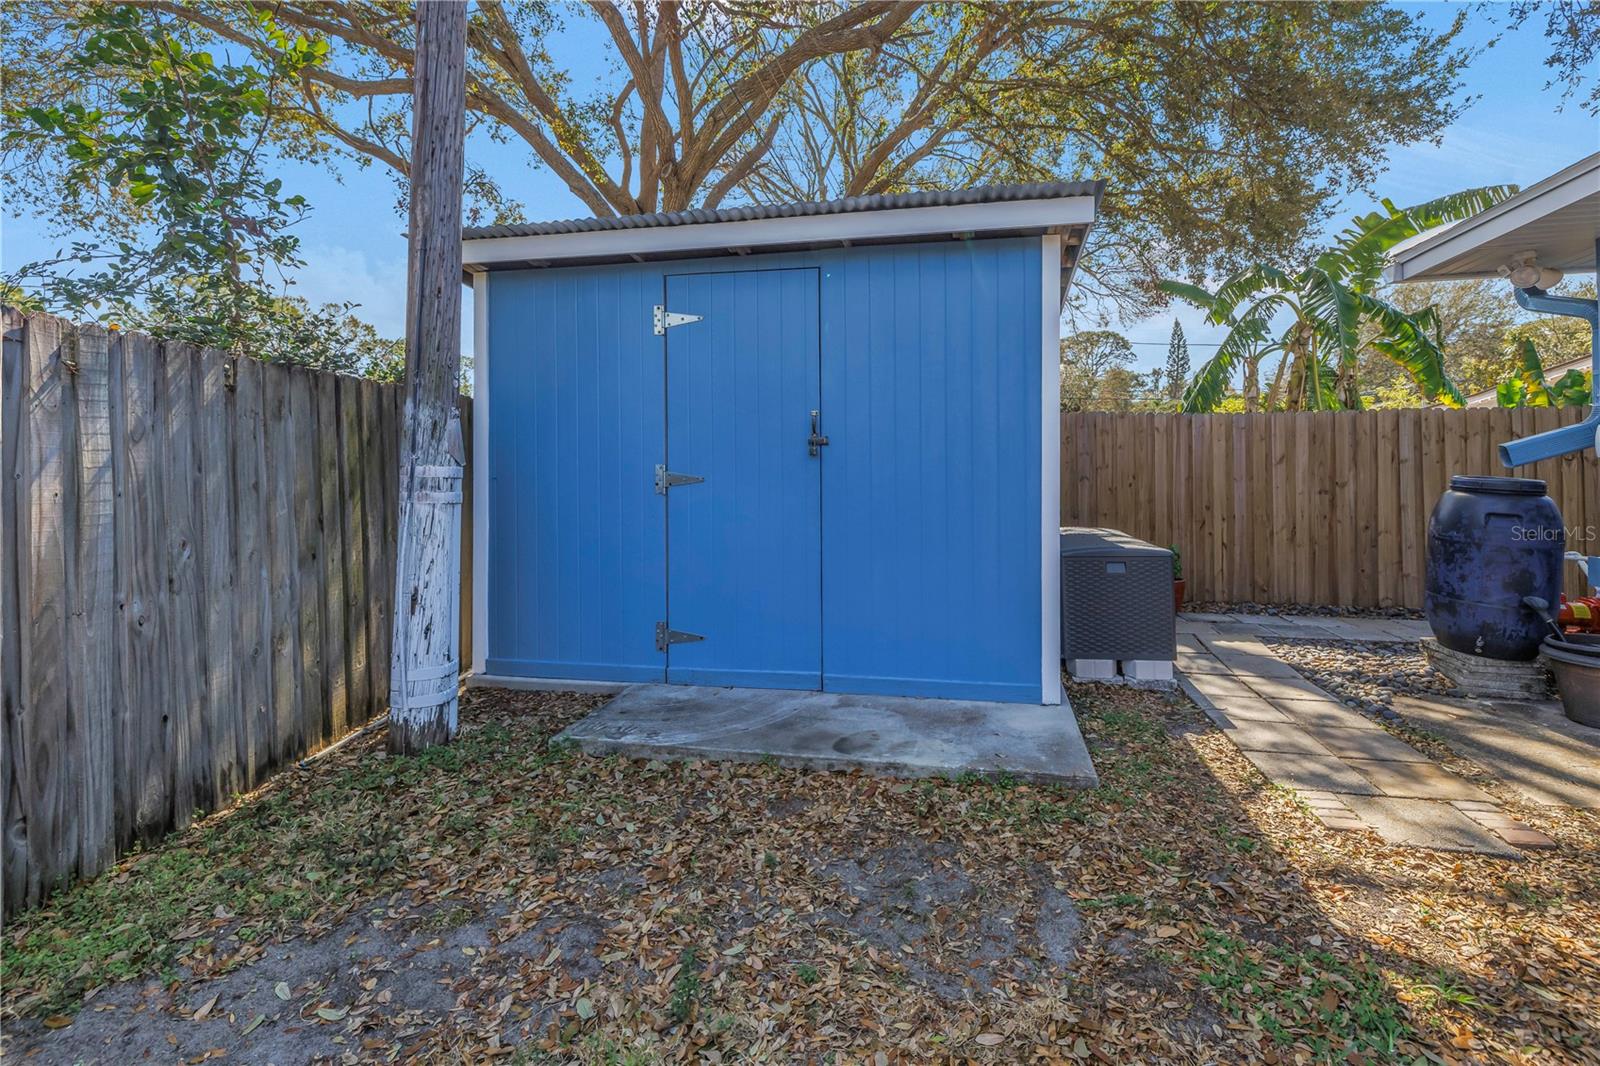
(665, 637)
(666, 479)
(816, 440)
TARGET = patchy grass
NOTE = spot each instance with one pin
(287, 858)
(1347, 1008)
(640, 912)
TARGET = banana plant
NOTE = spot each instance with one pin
(1333, 313)
(1528, 388)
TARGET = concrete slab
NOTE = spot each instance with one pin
(1263, 664)
(1252, 710)
(1195, 629)
(890, 735)
(1324, 712)
(1323, 773)
(1200, 663)
(1418, 780)
(1273, 736)
(1285, 688)
(1532, 747)
(1427, 824)
(1221, 687)
(1365, 744)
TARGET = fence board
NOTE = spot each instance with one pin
(46, 782)
(325, 389)
(352, 488)
(146, 720)
(252, 654)
(224, 714)
(1323, 508)
(283, 640)
(312, 716)
(14, 859)
(92, 636)
(190, 759)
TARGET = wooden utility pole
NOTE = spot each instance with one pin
(424, 671)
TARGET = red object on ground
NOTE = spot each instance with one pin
(1580, 614)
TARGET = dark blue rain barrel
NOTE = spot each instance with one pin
(1492, 541)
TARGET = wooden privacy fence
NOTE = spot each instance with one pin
(198, 575)
(1321, 508)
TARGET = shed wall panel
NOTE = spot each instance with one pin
(930, 393)
(576, 580)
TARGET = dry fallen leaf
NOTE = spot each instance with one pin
(205, 1008)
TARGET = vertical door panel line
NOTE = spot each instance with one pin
(666, 497)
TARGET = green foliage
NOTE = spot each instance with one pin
(1096, 376)
(685, 987)
(1223, 131)
(1335, 315)
(179, 142)
(1177, 363)
(1285, 992)
(274, 329)
(1527, 386)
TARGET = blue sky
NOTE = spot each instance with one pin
(354, 248)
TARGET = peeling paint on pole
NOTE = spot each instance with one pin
(424, 661)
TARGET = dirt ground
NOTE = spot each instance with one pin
(501, 899)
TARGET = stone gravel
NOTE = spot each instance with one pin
(1366, 675)
(1298, 610)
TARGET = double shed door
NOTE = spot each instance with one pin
(744, 542)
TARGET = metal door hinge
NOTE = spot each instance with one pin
(666, 479)
(666, 637)
(665, 319)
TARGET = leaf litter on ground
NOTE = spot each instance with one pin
(1183, 911)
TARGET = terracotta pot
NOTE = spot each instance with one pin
(1177, 594)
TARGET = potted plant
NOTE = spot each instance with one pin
(1177, 578)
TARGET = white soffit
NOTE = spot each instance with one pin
(1557, 218)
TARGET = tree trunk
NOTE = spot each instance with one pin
(1252, 383)
(423, 670)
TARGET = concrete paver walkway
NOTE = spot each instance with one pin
(1350, 771)
(1534, 747)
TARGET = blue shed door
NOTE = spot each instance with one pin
(744, 546)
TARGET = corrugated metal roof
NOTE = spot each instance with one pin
(985, 194)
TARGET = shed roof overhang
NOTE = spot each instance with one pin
(1067, 209)
(1558, 219)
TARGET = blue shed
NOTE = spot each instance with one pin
(813, 446)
